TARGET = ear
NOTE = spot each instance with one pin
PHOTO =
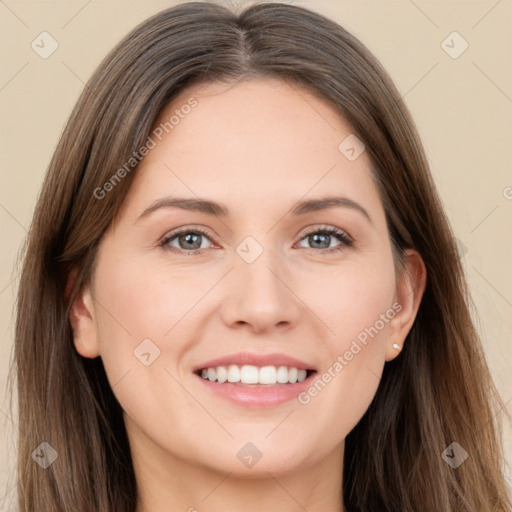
(409, 292)
(82, 318)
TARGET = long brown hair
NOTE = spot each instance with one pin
(438, 390)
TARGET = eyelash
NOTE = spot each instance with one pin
(345, 240)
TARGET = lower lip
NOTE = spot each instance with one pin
(257, 396)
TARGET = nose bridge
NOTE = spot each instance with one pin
(258, 267)
(261, 295)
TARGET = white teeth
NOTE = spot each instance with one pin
(282, 375)
(267, 375)
(249, 374)
(222, 374)
(233, 373)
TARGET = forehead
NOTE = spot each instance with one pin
(257, 140)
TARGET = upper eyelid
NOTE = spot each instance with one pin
(313, 229)
(202, 230)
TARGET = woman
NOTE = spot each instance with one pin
(240, 288)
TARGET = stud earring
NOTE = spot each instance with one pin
(396, 347)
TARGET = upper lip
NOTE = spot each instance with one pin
(242, 358)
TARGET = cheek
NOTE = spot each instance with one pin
(142, 326)
(142, 301)
(141, 314)
(351, 298)
(358, 307)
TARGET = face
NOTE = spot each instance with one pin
(284, 273)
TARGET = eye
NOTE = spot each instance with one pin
(187, 240)
(322, 238)
(193, 240)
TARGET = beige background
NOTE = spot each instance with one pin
(463, 108)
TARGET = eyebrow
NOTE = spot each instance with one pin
(218, 209)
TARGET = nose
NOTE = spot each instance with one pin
(260, 296)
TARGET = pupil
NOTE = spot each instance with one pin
(316, 237)
(189, 240)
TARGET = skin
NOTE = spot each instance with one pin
(258, 147)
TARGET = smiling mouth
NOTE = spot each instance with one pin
(254, 376)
